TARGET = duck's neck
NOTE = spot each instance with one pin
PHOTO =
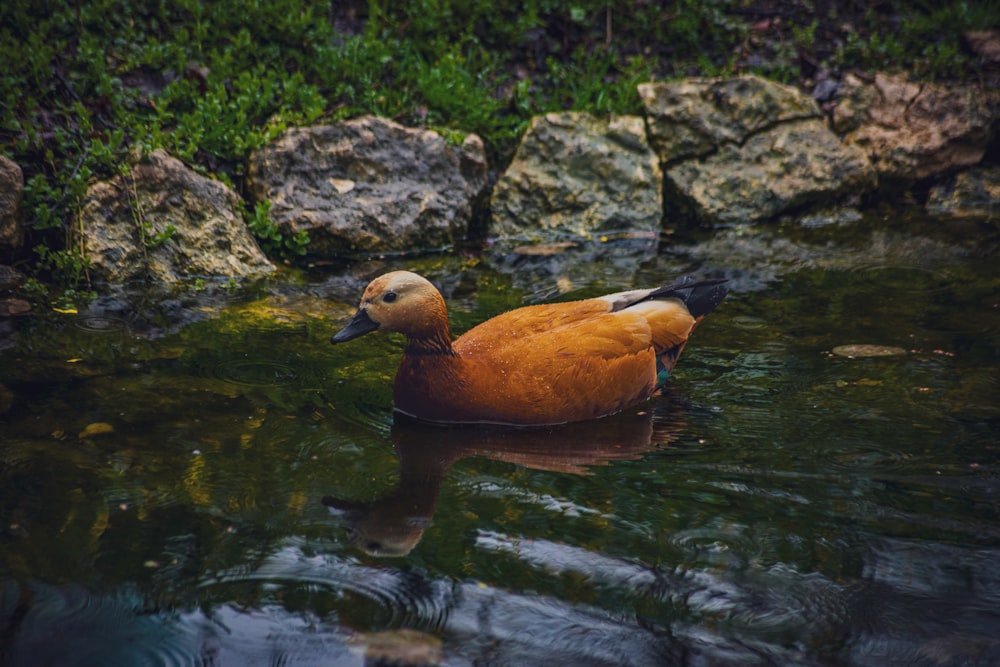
(438, 343)
(432, 336)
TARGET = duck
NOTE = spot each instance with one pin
(539, 365)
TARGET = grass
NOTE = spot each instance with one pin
(86, 86)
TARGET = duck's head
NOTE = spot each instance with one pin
(402, 302)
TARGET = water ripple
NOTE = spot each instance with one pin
(91, 629)
(864, 455)
(905, 277)
(101, 324)
(717, 545)
(405, 597)
(255, 372)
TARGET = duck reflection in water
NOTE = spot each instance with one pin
(394, 524)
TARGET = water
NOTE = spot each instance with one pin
(203, 479)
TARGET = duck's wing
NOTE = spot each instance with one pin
(579, 360)
(699, 296)
(530, 321)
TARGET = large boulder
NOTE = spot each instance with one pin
(370, 185)
(793, 165)
(693, 117)
(11, 189)
(576, 174)
(746, 150)
(165, 222)
(915, 130)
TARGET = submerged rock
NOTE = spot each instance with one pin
(576, 174)
(915, 130)
(370, 185)
(864, 350)
(11, 189)
(165, 222)
(747, 150)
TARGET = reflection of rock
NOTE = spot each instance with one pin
(915, 130)
(755, 256)
(746, 150)
(547, 270)
(970, 194)
(165, 222)
(370, 185)
(394, 524)
(11, 188)
(577, 174)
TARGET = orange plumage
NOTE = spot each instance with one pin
(538, 365)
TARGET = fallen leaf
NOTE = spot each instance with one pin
(97, 428)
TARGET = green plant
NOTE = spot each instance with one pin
(84, 85)
(270, 238)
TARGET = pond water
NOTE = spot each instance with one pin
(201, 478)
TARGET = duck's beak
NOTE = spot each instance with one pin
(358, 326)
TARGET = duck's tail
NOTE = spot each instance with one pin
(700, 297)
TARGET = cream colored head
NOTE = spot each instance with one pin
(400, 301)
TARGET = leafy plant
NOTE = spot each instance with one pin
(270, 238)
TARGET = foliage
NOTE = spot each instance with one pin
(270, 238)
(84, 86)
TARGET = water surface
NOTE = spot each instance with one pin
(201, 478)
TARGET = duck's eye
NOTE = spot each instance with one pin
(389, 297)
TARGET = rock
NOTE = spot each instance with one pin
(863, 350)
(970, 194)
(11, 306)
(576, 174)
(794, 164)
(10, 277)
(985, 44)
(11, 189)
(746, 150)
(694, 117)
(370, 185)
(825, 89)
(912, 130)
(165, 222)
